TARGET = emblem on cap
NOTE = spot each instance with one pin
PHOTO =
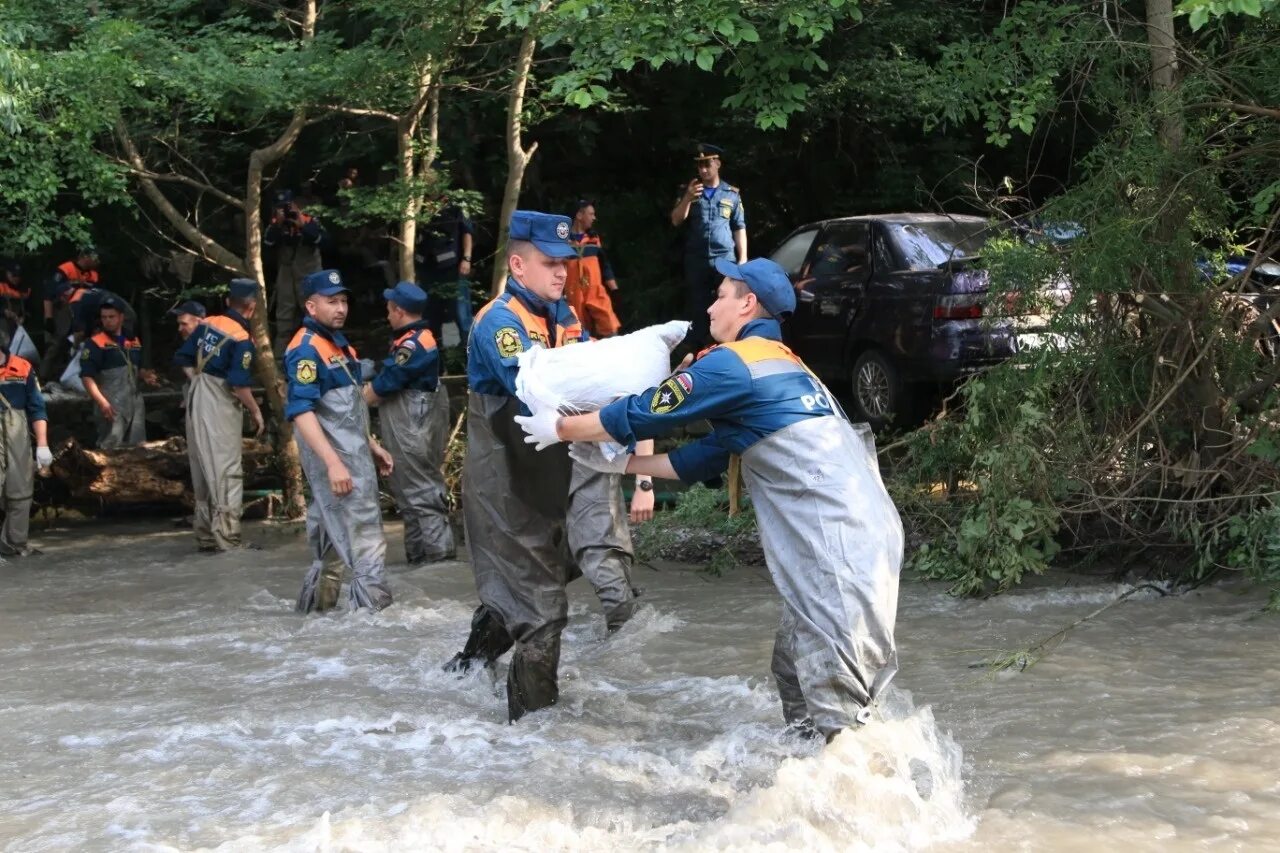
(334, 278)
(562, 230)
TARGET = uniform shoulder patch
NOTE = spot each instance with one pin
(403, 353)
(508, 342)
(84, 354)
(246, 360)
(305, 372)
(668, 396)
(685, 381)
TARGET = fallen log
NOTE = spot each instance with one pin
(153, 473)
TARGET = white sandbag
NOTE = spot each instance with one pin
(584, 377)
(70, 377)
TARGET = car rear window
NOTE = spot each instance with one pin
(791, 254)
(929, 245)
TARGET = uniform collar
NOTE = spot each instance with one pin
(235, 315)
(534, 303)
(762, 328)
(333, 335)
(410, 327)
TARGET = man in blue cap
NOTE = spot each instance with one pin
(516, 500)
(340, 459)
(413, 408)
(112, 372)
(188, 315)
(296, 237)
(831, 535)
(717, 229)
(218, 356)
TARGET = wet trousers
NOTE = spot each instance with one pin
(18, 475)
(129, 428)
(599, 536)
(415, 428)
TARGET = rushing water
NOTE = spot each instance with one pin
(153, 699)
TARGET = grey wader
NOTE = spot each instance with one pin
(514, 503)
(415, 427)
(294, 263)
(600, 541)
(120, 386)
(833, 544)
(215, 425)
(18, 473)
(351, 525)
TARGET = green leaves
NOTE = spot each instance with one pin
(1201, 12)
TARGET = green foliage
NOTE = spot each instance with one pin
(698, 529)
(1201, 12)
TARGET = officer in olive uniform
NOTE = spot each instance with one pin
(338, 454)
(717, 229)
(413, 409)
(220, 354)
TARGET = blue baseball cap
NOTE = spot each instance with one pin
(766, 280)
(243, 288)
(547, 231)
(323, 283)
(188, 307)
(408, 296)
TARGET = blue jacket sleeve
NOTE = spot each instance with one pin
(606, 269)
(497, 325)
(240, 371)
(302, 370)
(186, 354)
(35, 401)
(272, 235)
(312, 232)
(699, 461)
(737, 219)
(712, 386)
(408, 362)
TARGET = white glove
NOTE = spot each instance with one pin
(589, 454)
(44, 457)
(540, 427)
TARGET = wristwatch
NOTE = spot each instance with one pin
(644, 485)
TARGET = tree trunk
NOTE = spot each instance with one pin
(518, 156)
(406, 135)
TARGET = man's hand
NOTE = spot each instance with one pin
(370, 397)
(259, 425)
(589, 454)
(540, 427)
(381, 458)
(44, 457)
(148, 376)
(108, 411)
(641, 503)
(464, 268)
(340, 479)
(693, 190)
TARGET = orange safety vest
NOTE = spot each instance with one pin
(585, 290)
(15, 369)
(82, 279)
(534, 326)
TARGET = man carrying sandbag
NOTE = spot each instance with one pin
(515, 500)
(831, 535)
(414, 412)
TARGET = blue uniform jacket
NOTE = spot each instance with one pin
(509, 325)
(748, 390)
(318, 360)
(711, 223)
(21, 390)
(105, 352)
(414, 362)
(225, 346)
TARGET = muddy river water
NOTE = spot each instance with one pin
(155, 700)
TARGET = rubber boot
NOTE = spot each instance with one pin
(487, 642)
(531, 680)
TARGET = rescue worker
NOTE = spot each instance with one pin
(590, 278)
(13, 293)
(66, 287)
(338, 454)
(413, 409)
(219, 354)
(188, 316)
(112, 372)
(831, 535)
(22, 413)
(296, 237)
(442, 257)
(516, 500)
(717, 229)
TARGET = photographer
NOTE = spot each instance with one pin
(296, 238)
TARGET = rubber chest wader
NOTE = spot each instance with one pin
(350, 525)
(120, 386)
(833, 543)
(600, 541)
(215, 426)
(415, 427)
(18, 475)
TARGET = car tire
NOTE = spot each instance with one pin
(879, 394)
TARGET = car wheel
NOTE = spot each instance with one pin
(877, 389)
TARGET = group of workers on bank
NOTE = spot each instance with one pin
(542, 505)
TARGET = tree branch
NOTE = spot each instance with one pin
(173, 177)
(1236, 107)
